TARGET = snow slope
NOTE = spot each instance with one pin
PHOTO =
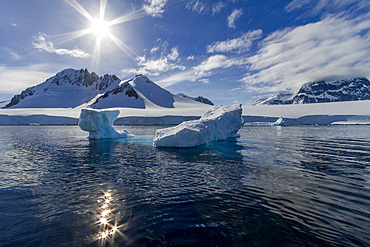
(354, 112)
(59, 100)
(159, 115)
(68, 88)
(123, 95)
(151, 93)
(199, 99)
(79, 88)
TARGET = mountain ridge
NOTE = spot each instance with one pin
(73, 88)
(199, 99)
(321, 92)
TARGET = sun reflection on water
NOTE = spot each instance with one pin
(108, 225)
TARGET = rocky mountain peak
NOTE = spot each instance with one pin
(323, 91)
(72, 88)
(332, 91)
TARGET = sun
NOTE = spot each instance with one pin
(100, 27)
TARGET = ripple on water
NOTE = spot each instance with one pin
(294, 186)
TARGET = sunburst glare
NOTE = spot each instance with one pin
(101, 27)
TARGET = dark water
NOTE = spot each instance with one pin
(273, 186)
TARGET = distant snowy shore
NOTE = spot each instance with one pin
(132, 116)
(351, 112)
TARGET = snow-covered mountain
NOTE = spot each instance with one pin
(68, 88)
(333, 91)
(151, 93)
(280, 98)
(199, 99)
(323, 91)
(72, 88)
(124, 95)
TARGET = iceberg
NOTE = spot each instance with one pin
(285, 122)
(218, 123)
(99, 124)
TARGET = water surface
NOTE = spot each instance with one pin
(273, 186)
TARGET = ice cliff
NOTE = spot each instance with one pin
(99, 124)
(218, 123)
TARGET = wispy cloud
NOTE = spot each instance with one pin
(202, 71)
(216, 62)
(176, 77)
(197, 7)
(217, 7)
(241, 44)
(204, 7)
(154, 8)
(296, 4)
(334, 48)
(40, 42)
(154, 66)
(15, 79)
(329, 6)
(236, 14)
(13, 55)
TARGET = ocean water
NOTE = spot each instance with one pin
(273, 186)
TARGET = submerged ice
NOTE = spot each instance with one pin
(99, 124)
(218, 123)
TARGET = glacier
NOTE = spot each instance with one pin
(217, 123)
(99, 124)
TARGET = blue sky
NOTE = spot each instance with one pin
(230, 51)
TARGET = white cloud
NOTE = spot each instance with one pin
(155, 66)
(318, 6)
(154, 8)
(236, 14)
(13, 80)
(202, 70)
(333, 48)
(13, 55)
(154, 50)
(205, 81)
(241, 44)
(177, 77)
(14, 24)
(216, 62)
(296, 4)
(197, 6)
(192, 57)
(174, 54)
(217, 7)
(42, 44)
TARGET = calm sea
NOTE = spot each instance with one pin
(273, 186)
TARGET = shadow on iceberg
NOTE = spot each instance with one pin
(99, 124)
